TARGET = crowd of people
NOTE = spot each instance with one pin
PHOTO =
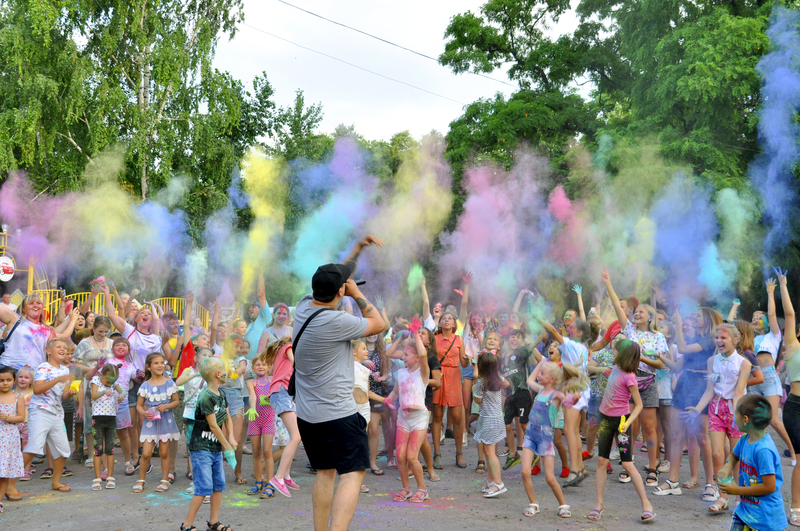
(526, 389)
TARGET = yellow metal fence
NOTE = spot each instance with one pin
(52, 302)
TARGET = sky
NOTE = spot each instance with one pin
(377, 107)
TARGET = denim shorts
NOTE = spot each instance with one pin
(208, 473)
(771, 385)
(234, 398)
(468, 372)
(593, 415)
(281, 402)
(133, 394)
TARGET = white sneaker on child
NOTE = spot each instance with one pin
(614, 456)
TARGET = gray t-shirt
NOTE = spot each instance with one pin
(323, 363)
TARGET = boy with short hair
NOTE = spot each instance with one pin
(515, 366)
(207, 444)
(46, 413)
(760, 473)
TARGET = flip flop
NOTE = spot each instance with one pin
(648, 516)
(595, 515)
(377, 471)
(16, 498)
(62, 488)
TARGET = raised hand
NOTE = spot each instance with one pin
(466, 277)
(771, 286)
(189, 299)
(577, 289)
(781, 275)
(379, 302)
(369, 239)
(460, 292)
(737, 302)
(605, 277)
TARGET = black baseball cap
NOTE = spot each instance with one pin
(328, 279)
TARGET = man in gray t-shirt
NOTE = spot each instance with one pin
(324, 376)
(334, 435)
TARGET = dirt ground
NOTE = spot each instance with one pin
(456, 503)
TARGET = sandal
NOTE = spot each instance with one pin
(652, 477)
(433, 476)
(163, 486)
(190, 528)
(129, 468)
(139, 485)
(47, 474)
(241, 481)
(218, 527)
(713, 495)
(595, 515)
(403, 495)
(268, 492)
(377, 471)
(392, 464)
(794, 517)
(624, 477)
(416, 498)
(501, 488)
(437, 461)
(62, 488)
(648, 516)
(257, 488)
(97, 484)
(672, 488)
(481, 468)
(11, 498)
(580, 476)
(462, 463)
(171, 478)
(364, 489)
(564, 511)
(719, 506)
(111, 483)
(690, 484)
(531, 510)
(190, 476)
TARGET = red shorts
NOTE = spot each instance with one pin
(720, 417)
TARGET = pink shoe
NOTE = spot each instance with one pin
(291, 484)
(104, 474)
(281, 486)
(26, 476)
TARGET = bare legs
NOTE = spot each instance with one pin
(342, 500)
(408, 447)
(572, 421)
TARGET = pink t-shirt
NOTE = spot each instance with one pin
(281, 370)
(616, 400)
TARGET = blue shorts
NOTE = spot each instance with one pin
(234, 398)
(771, 385)
(593, 415)
(208, 474)
(468, 372)
(540, 440)
(281, 402)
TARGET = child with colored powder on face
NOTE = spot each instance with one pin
(106, 396)
(760, 472)
(408, 397)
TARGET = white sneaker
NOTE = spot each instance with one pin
(465, 439)
(614, 455)
(441, 438)
(663, 467)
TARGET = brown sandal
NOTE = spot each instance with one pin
(63, 488)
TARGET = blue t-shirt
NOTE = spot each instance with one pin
(255, 329)
(756, 460)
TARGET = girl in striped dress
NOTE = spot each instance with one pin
(491, 429)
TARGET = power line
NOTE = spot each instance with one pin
(354, 65)
(387, 41)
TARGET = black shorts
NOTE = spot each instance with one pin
(104, 429)
(375, 406)
(791, 419)
(341, 444)
(608, 431)
(518, 405)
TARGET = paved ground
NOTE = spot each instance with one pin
(455, 503)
